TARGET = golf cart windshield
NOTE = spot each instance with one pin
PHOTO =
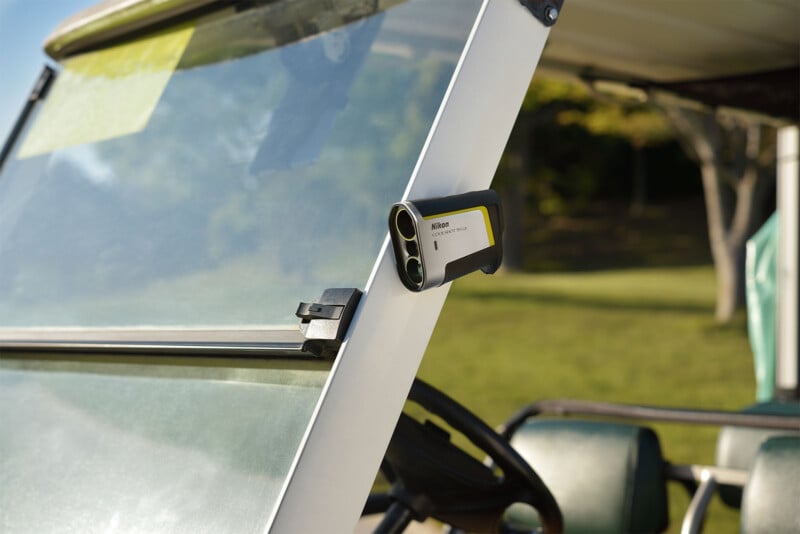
(214, 174)
(205, 177)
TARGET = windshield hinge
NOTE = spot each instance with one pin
(324, 323)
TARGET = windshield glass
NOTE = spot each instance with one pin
(144, 447)
(215, 174)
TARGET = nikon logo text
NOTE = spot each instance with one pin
(439, 225)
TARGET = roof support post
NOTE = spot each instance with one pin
(787, 369)
(377, 362)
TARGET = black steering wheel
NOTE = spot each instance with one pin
(431, 477)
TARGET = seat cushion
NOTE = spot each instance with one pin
(737, 446)
(771, 499)
(606, 477)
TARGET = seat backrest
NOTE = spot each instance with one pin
(737, 446)
(771, 498)
(606, 477)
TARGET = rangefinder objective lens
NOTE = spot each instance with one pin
(438, 239)
(414, 270)
(405, 225)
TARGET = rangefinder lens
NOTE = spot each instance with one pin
(405, 225)
(436, 240)
(414, 270)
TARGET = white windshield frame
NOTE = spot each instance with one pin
(370, 380)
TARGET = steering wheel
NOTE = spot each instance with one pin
(431, 477)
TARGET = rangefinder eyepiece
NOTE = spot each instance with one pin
(436, 240)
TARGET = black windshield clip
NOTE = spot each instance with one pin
(324, 323)
(546, 11)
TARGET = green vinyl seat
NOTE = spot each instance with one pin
(737, 446)
(771, 498)
(606, 477)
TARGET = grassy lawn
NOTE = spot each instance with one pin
(640, 336)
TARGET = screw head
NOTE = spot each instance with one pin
(551, 14)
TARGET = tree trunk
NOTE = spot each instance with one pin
(639, 200)
(513, 194)
(513, 201)
(731, 219)
(728, 255)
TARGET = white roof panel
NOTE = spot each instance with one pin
(671, 40)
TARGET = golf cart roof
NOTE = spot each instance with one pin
(113, 19)
(743, 55)
(664, 41)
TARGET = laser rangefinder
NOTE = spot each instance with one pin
(436, 240)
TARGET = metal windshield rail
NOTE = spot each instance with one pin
(650, 413)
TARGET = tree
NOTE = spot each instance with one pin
(557, 181)
(515, 180)
(736, 159)
(735, 156)
(642, 125)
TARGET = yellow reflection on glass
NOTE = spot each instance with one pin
(106, 94)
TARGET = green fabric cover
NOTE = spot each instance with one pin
(606, 477)
(737, 446)
(761, 272)
(771, 501)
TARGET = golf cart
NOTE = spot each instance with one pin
(202, 326)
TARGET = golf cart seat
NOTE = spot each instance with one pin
(771, 498)
(606, 477)
(737, 446)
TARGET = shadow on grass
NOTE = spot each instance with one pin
(593, 302)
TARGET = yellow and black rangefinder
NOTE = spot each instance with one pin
(436, 240)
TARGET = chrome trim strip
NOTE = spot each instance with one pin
(279, 342)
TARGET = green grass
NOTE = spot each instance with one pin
(638, 336)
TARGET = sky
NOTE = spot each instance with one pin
(24, 25)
